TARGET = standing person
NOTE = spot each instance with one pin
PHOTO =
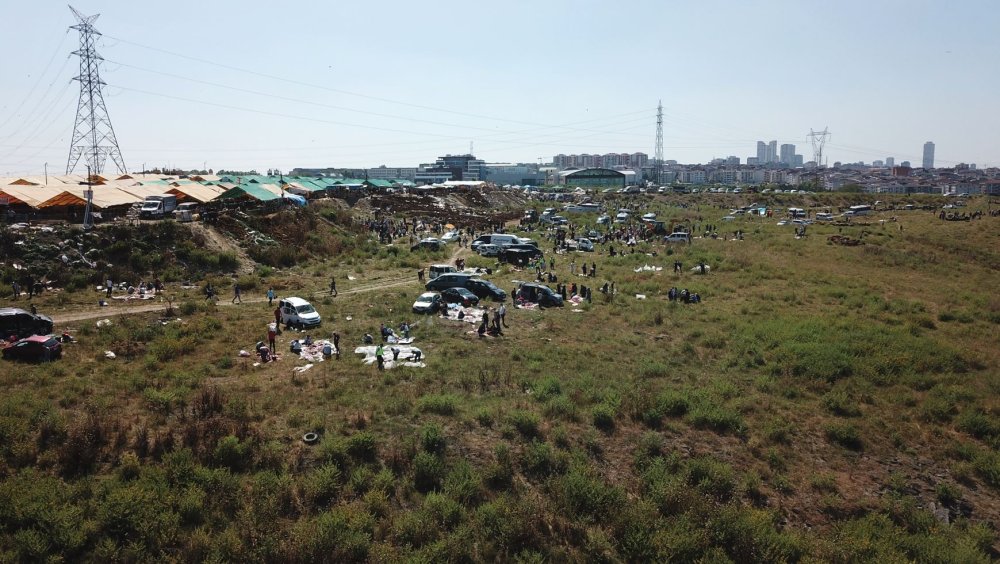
(272, 331)
(502, 312)
(16, 288)
(277, 317)
(593, 269)
(378, 357)
(572, 267)
(31, 288)
(336, 343)
(236, 293)
(110, 285)
(270, 297)
(333, 286)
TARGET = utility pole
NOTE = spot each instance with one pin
(87, 223)
(819, 139)
(46, 174)
(93, 135)
(658, 151)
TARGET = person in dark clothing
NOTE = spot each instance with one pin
(236, 293)
(333, 286)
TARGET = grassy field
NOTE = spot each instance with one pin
(823, 403)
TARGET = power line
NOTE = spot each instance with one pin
(37, 81)
(327, 88)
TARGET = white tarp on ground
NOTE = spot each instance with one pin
(406, 352)
(472, 314)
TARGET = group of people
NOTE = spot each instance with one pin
(33, 286)
(495, 327)
(684, 296)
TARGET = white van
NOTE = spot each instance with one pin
(436, 270)
(823, 216)
(296, 312)
(503, 240)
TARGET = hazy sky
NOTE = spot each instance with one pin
(256, 84)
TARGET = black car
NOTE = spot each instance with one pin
(537, 293)
(36, 347)
(448, 280)
(432, 244)
(459, 296)
(518, 257)
(485, 289)
(532, 250)
(20, 323)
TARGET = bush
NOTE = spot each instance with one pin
(586, 498)
(526, 422)
(231, 453)
(717, 418)
(322, 485)
(441, 404)
(428, 472)
(981, 425)
(844, 434)
(839, 402)
(363, 446)
(604, 417)
(432, 439)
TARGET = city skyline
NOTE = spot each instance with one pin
(193, 99)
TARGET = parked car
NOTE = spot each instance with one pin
(296, 312)
(459, 296)
(584, 244)
(449, 280)
(540, 294)
(436, 270)
(429, 243)
(518, 257)
(20, 323)
(37, 348)
(678, 237)
(532, 250)
(450, 237)
(488, 250)
(428, 302)
(485, 289)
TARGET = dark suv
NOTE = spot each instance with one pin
(448, 280)
(485, 289)
(537, 293)
(15, 321)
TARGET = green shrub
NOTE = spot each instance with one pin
(981, 425)
(231, 453)
(428, 472)
(540, 460)
(441, 404)
(839, 402)
(560, 407)
(526, 422)
(846, 435)
(584, 497)
(716, 418)
(712, 477)
(547, 389)
(363, 446)
(322, 485)
(604, 417)
(432, 439)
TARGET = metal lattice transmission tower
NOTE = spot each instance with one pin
(819, 139)
(93, 136)
(658, 152)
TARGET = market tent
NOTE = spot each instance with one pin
(32, 196)
(104, 197)
(304, 188)
(142, 192)
(251, 191)
(197, 192)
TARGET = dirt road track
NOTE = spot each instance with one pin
(157, 305)
(146, 307)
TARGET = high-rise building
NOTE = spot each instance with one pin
(890, 162)
(638, 160)
(787, 154)
(761, 152)
(772, 152)
(929, 155)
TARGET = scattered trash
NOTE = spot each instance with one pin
(310, 438)
(109, 354)
(640, 296)
(301, 369)
(700, 269)
(256, 364)
(104, 323)
(348, 318)
(577, 310)
(244, 353)
(648, 268)
(349, 277)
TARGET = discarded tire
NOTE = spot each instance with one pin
(310, 438)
